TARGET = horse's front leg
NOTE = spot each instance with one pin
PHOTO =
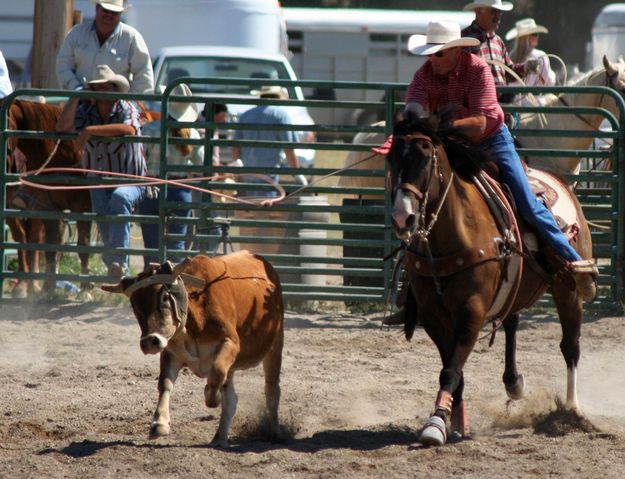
(512, 380)
(455, 351)
(36, 235)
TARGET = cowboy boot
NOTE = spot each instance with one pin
(585, 273)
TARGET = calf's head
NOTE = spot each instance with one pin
(159, 300)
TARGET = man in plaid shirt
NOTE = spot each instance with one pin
(451, 76)
(491, 47)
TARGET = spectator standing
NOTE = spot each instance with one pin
(538, 67)
(105, 41)
(491, 46)
(95, 121)
(253, 156)
(176, 155)
(5, 82)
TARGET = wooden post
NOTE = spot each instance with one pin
(51, 21)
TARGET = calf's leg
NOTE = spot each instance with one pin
(272, 364)
(229, 401)
(224, 359)
(170, 367)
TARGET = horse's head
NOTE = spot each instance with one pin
(416, 173)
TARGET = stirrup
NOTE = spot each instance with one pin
(584, 266)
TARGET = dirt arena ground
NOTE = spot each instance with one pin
(77, 398)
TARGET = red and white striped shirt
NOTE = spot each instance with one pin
(470, 86)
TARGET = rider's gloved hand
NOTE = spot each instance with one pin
(151, 192)
(531, 65)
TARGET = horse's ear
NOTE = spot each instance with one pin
(398, 116)
(609, 67)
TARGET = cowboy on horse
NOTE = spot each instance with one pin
(453, 76)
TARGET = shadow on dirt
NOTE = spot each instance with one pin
(355, 439)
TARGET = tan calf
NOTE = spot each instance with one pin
(213, 316)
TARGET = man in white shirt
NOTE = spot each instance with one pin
(105, 41)
(5, 82)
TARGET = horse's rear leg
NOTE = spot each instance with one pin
(53, 235)
(570, 311)
(20, 235)
(512, 380)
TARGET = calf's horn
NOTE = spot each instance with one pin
(113, 288)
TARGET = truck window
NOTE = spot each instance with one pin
(222, 67)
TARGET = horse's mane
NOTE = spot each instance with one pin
(465, 159)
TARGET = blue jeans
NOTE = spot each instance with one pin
(149, 206)
(115, 201)
(531, 209)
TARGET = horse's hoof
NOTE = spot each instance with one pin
(434, 432)
(515, 391)
(158, 430)
(219, 442)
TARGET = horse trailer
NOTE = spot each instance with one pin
(362, 45)
(608, 34)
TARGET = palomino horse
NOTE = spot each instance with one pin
(27, 115)
(457, 262)
(611, 75)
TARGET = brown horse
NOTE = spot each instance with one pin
(457, 261)
(27, 115)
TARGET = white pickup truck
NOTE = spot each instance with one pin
(233, 62)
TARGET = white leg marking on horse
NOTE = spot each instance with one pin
(571, 389)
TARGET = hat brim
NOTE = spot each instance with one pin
(504, 7)
(119, 81)
(111, 7)
(190, 113)
(514, 32)
(417, 44)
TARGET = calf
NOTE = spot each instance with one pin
(213, 316)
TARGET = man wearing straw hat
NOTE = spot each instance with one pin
(105, 41)
(96, 121)
(491, 46)
(454, 77)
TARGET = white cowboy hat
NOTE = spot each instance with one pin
(183, 111)
(104, 74)
(439, 36)
(496, 4)
(112, 5)
(271, 91)
(524, 27)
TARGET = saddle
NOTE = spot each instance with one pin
(555, 194)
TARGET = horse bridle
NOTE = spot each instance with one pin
(422, 230)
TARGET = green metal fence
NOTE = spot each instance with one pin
(329, 240)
